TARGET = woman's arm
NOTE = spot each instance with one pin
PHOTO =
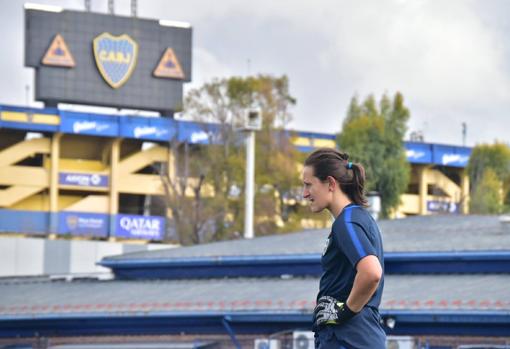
(369, 273)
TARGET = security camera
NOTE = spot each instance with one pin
(253, 121)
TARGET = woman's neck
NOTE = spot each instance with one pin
(338, 205)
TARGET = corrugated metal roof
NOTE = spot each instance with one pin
(421, 233)
(25, 298)
(466, 262)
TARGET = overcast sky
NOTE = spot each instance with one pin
(450, 59)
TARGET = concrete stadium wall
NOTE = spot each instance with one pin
(20, 256)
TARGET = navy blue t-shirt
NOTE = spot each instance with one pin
(354, 235)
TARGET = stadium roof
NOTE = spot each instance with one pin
(273, 303)
(413, 234)
(36, 297)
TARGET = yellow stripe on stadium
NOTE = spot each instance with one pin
(301, 141)
(46, 119)
(313, 142)
(320, 143)
(14, 116)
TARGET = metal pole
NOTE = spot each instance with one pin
(231, 332)
(464, 133)
(250, 178)
(134, 8)
(27, 95)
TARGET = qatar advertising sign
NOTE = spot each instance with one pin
(140, 227)
(107, 60)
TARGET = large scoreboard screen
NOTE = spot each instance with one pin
(105, 60)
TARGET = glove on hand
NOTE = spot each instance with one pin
(330, 311)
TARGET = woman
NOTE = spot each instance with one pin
(346, 315)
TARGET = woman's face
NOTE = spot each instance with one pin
(315, 191)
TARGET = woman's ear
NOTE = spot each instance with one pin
(331, 183)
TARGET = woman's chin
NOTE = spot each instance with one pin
(315, 209)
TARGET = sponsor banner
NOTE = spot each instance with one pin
(25, 222)
(140, 227)
(198, 133)
(451, 156)
(83, 224)
(446, 155)
(83, 179)
(145, 128)
(418, 153)
(442, 206)
(93, 125)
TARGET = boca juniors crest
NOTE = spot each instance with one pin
(115, 57)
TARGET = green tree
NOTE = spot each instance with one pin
(486, 197)
(374, 136)
(494, 157)
(223, 104)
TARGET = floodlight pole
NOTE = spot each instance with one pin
(250, 179)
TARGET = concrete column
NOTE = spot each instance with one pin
(423, 191)
(113, 206)
(53, 185)
(465, 193)
(172, 172)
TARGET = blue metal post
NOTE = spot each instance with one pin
(230, 332)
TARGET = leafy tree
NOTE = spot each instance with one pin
(188, 211)
(494, 157)
(374, 136)
(217, 203)
(486, 198)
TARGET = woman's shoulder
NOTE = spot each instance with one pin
(353, 214)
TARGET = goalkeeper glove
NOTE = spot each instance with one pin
(330, 311)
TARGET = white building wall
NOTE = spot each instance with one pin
(7, 256)
(28, 256)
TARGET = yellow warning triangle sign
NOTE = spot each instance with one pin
(169, 66)
(58, 54)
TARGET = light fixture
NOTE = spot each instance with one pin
(178, 24)
(40, 7)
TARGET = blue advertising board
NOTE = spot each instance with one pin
(83, 224)
(442, 206)
(26, 222)
(418, 153)
(140, 227)
(451, 156)
(83, 179)
(197, 133)
(439, 154)
(89, 124)
(155, 129)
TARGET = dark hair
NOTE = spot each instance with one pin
(350, 176)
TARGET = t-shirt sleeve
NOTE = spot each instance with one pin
(353, 240)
